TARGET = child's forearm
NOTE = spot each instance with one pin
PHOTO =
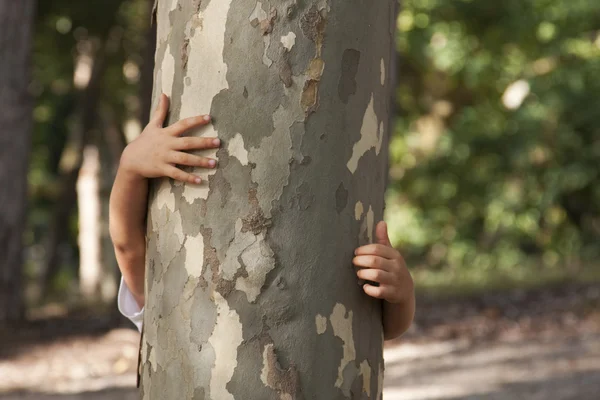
(397, 318)
(127, 215)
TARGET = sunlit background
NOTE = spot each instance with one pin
(494, 199)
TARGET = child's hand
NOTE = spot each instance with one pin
(157, 150)
(383, 264)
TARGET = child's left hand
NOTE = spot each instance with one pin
(383, 264)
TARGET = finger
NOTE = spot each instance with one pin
(381, 233)
(379, 292)
(196, 143)
(162, 109)
(181, 158)
(373, 262)
(375, 275)
(179, 175)
(378, 250)
(178, 128)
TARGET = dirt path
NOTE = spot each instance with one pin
(548, 349)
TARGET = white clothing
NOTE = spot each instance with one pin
(128, 306)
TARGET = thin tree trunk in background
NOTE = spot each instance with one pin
(147, 70)
(250, 290)
(16, 124)
(67, 199)
(88, 204)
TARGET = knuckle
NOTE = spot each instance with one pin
(190, 122)
(375, 262)
(187, 142)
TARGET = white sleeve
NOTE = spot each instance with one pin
(129, 307)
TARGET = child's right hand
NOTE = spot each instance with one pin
(157, 151)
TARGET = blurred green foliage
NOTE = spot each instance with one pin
(496, 154)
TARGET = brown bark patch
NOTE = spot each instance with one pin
(255, 222)
(285, 381)
(266, 25)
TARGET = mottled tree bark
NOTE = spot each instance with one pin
(250, 290)
(16, 25)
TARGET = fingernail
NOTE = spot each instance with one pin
(197, 180)
(216, 142)
(207, 117)
(212, 163)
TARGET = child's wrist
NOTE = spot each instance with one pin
(127, 171)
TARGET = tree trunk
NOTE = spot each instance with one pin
(250, 290)
(16, 25)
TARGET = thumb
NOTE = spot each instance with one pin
(381, 233)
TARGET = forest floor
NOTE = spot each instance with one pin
(535, 344)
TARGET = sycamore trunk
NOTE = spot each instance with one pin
(250, 291)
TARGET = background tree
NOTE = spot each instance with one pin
(16, 31)
(251, 292)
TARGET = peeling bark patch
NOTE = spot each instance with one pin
(248, 252)
(369, 137)
(255, 222)
(265, 58)
(272, 176)
(170, 237)
(288, 41)
(205, 59)
(341, 198)
(310, 98)
(315, 69)
(358, 210)
(310, 93)
(266, 25)
(257, 15)
(380, 380)
(321, 323)
(347, 82)
(211, 259)
(285, 71)
(184, 53)
(225, 341)
(342, 328)
(259, 18)
(311, 23)
(365, 372)
(165, 197)
(285, 381)
(236, 147)
(194, 255)
(168, 72)
(382, 67)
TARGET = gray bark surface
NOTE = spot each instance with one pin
(16, 24)
(250, 290)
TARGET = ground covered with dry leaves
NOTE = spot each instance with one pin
(542, 344)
